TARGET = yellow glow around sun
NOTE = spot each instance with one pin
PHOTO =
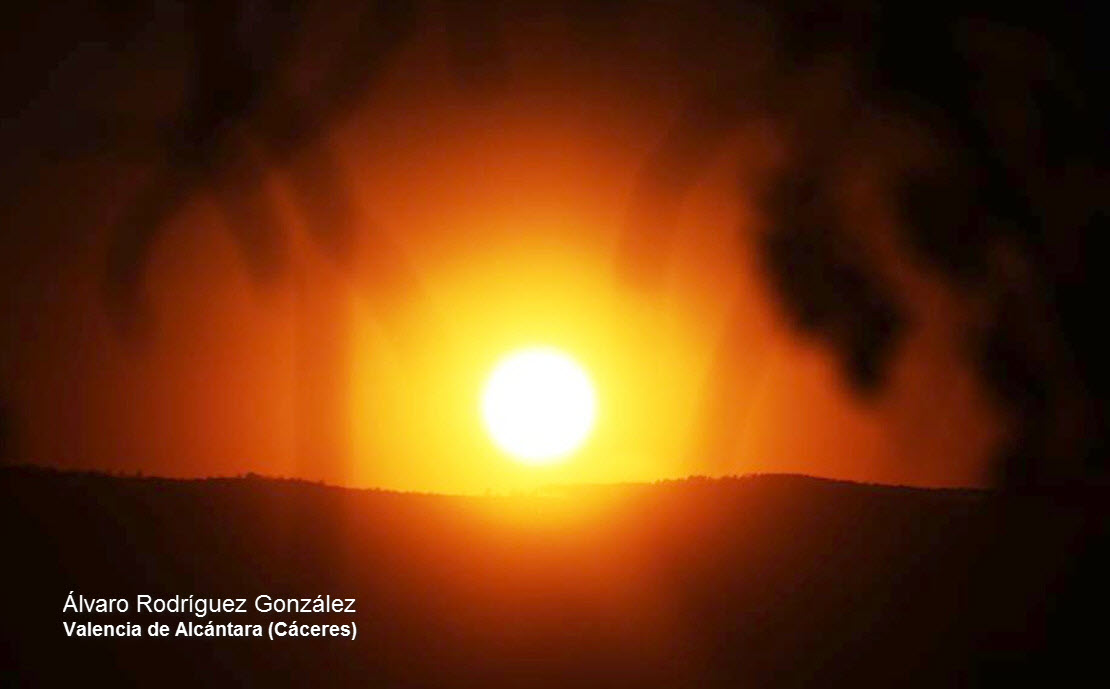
(538, 405)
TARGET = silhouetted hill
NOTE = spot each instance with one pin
(760, 581)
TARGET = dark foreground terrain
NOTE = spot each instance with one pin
(763, 581)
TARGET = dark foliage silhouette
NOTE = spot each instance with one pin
(1012, 214)
(828, 290)
(244, 111)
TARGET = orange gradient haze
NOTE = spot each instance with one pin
(487, 223)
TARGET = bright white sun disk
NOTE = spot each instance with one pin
(538, 405)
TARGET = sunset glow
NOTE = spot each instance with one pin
(587, 343)
(357, 290)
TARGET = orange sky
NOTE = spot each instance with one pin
(500, 216)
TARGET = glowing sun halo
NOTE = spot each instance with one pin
(538, 405)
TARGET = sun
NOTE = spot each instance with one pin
(538, 405)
